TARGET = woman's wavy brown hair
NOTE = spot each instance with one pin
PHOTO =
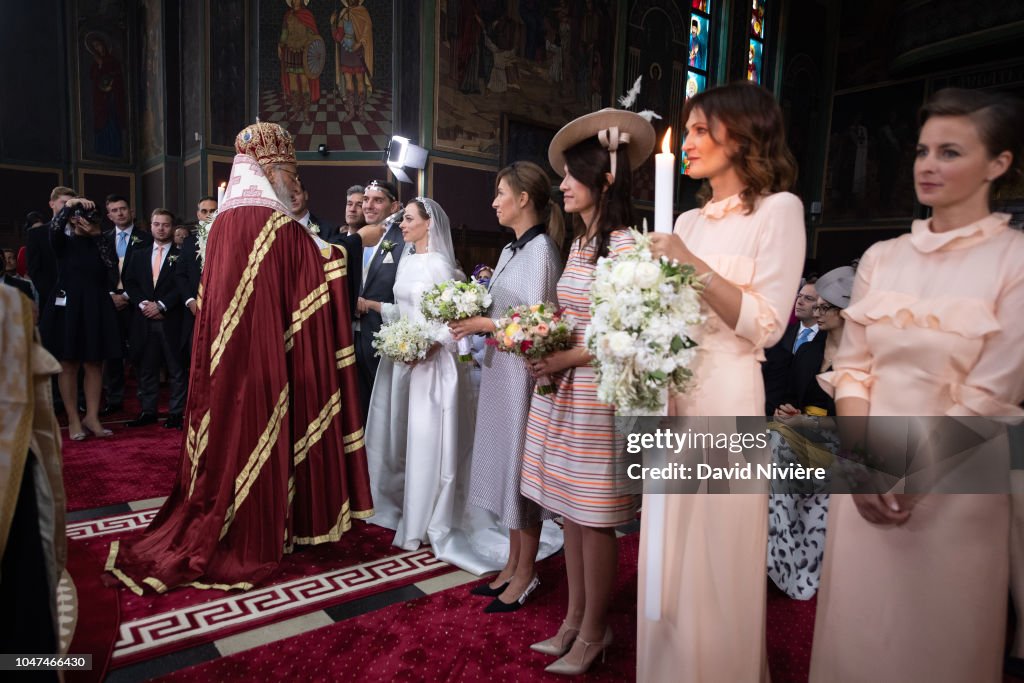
(754, 126)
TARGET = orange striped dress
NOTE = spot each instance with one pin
(575, 464)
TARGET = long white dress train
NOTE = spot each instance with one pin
(419, 439)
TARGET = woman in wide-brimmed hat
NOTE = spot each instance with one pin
(573, 465)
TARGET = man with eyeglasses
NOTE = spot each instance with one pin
(778, 358)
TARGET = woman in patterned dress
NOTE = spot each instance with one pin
(574, 465)
(526, 274)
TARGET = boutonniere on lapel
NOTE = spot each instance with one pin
(387, 246)
(172, 258)
(314, 228)
(136, 240)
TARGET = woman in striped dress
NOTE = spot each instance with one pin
(574, 463)
(526, 274)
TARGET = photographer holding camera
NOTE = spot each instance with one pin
(78, 323)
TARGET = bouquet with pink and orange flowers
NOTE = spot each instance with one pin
(534, 332)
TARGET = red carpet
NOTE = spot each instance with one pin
(97, 614)
(446, 637)
(442, 637)
(134, 464)
(363, 563)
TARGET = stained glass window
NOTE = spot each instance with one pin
(699, 61)
(755, 51)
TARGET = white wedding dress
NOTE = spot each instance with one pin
(419, 438)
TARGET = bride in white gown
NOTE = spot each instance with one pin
(419, 433)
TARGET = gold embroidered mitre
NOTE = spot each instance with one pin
(267, 143)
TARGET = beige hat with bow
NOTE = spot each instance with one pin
(613, 127)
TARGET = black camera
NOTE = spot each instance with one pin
(90, 215)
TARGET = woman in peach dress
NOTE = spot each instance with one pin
(748, 244)
(915, 588)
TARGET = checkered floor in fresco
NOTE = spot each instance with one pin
(324, 124)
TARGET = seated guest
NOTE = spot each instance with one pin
(796, 523)
(152, 288)
(78, 322)
(775, 368)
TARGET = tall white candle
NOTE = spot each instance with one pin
(220, 193)
(664, 181)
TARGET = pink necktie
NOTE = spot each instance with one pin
(158, 257)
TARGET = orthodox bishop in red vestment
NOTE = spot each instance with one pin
(273, 454)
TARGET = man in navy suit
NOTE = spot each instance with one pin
(125, 240)
(155, 301)
(380, 265)
(779, 358)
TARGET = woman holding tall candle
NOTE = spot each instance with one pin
(747, 242)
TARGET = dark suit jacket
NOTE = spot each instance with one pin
(803, 389)
(379, 284)
(138, 283)
(139, 241)
(327, 228)
(42, 262)
(187, 274)
(775, 369)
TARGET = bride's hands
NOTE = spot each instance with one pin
(467, 326)
(430, 354)
(672, 247)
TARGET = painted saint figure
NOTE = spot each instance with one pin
(109, 111)
(298, 31)
(352, 29)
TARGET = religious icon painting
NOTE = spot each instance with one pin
(698, 55)
(326, 72)
(757, 19)
(695, 83)
(702, 6)
(754, 61)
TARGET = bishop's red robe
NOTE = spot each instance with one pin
(273, 454)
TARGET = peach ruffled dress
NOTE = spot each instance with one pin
(934, 328)
(715, 546)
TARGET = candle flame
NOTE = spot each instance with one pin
(224, 184)
(666, 141)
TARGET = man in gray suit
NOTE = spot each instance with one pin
(380, 264)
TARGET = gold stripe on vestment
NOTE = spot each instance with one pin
(335, 269)
(346, 356)
(316, 428)
(196, 446)
(258, 457)
(309, 305)
(244, 290)
(343, 524)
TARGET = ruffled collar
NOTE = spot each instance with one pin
(722, 208)
(926, 241)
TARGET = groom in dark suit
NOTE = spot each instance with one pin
(151, 286)
(380, 200)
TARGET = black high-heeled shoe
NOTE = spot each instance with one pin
(485, 590)
(498, 606)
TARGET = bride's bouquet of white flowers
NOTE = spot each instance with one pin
(403, 341)
(454, 300)
(644, 314)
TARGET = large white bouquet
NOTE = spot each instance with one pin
(403, 341)
(454, 300)
(643, 319)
